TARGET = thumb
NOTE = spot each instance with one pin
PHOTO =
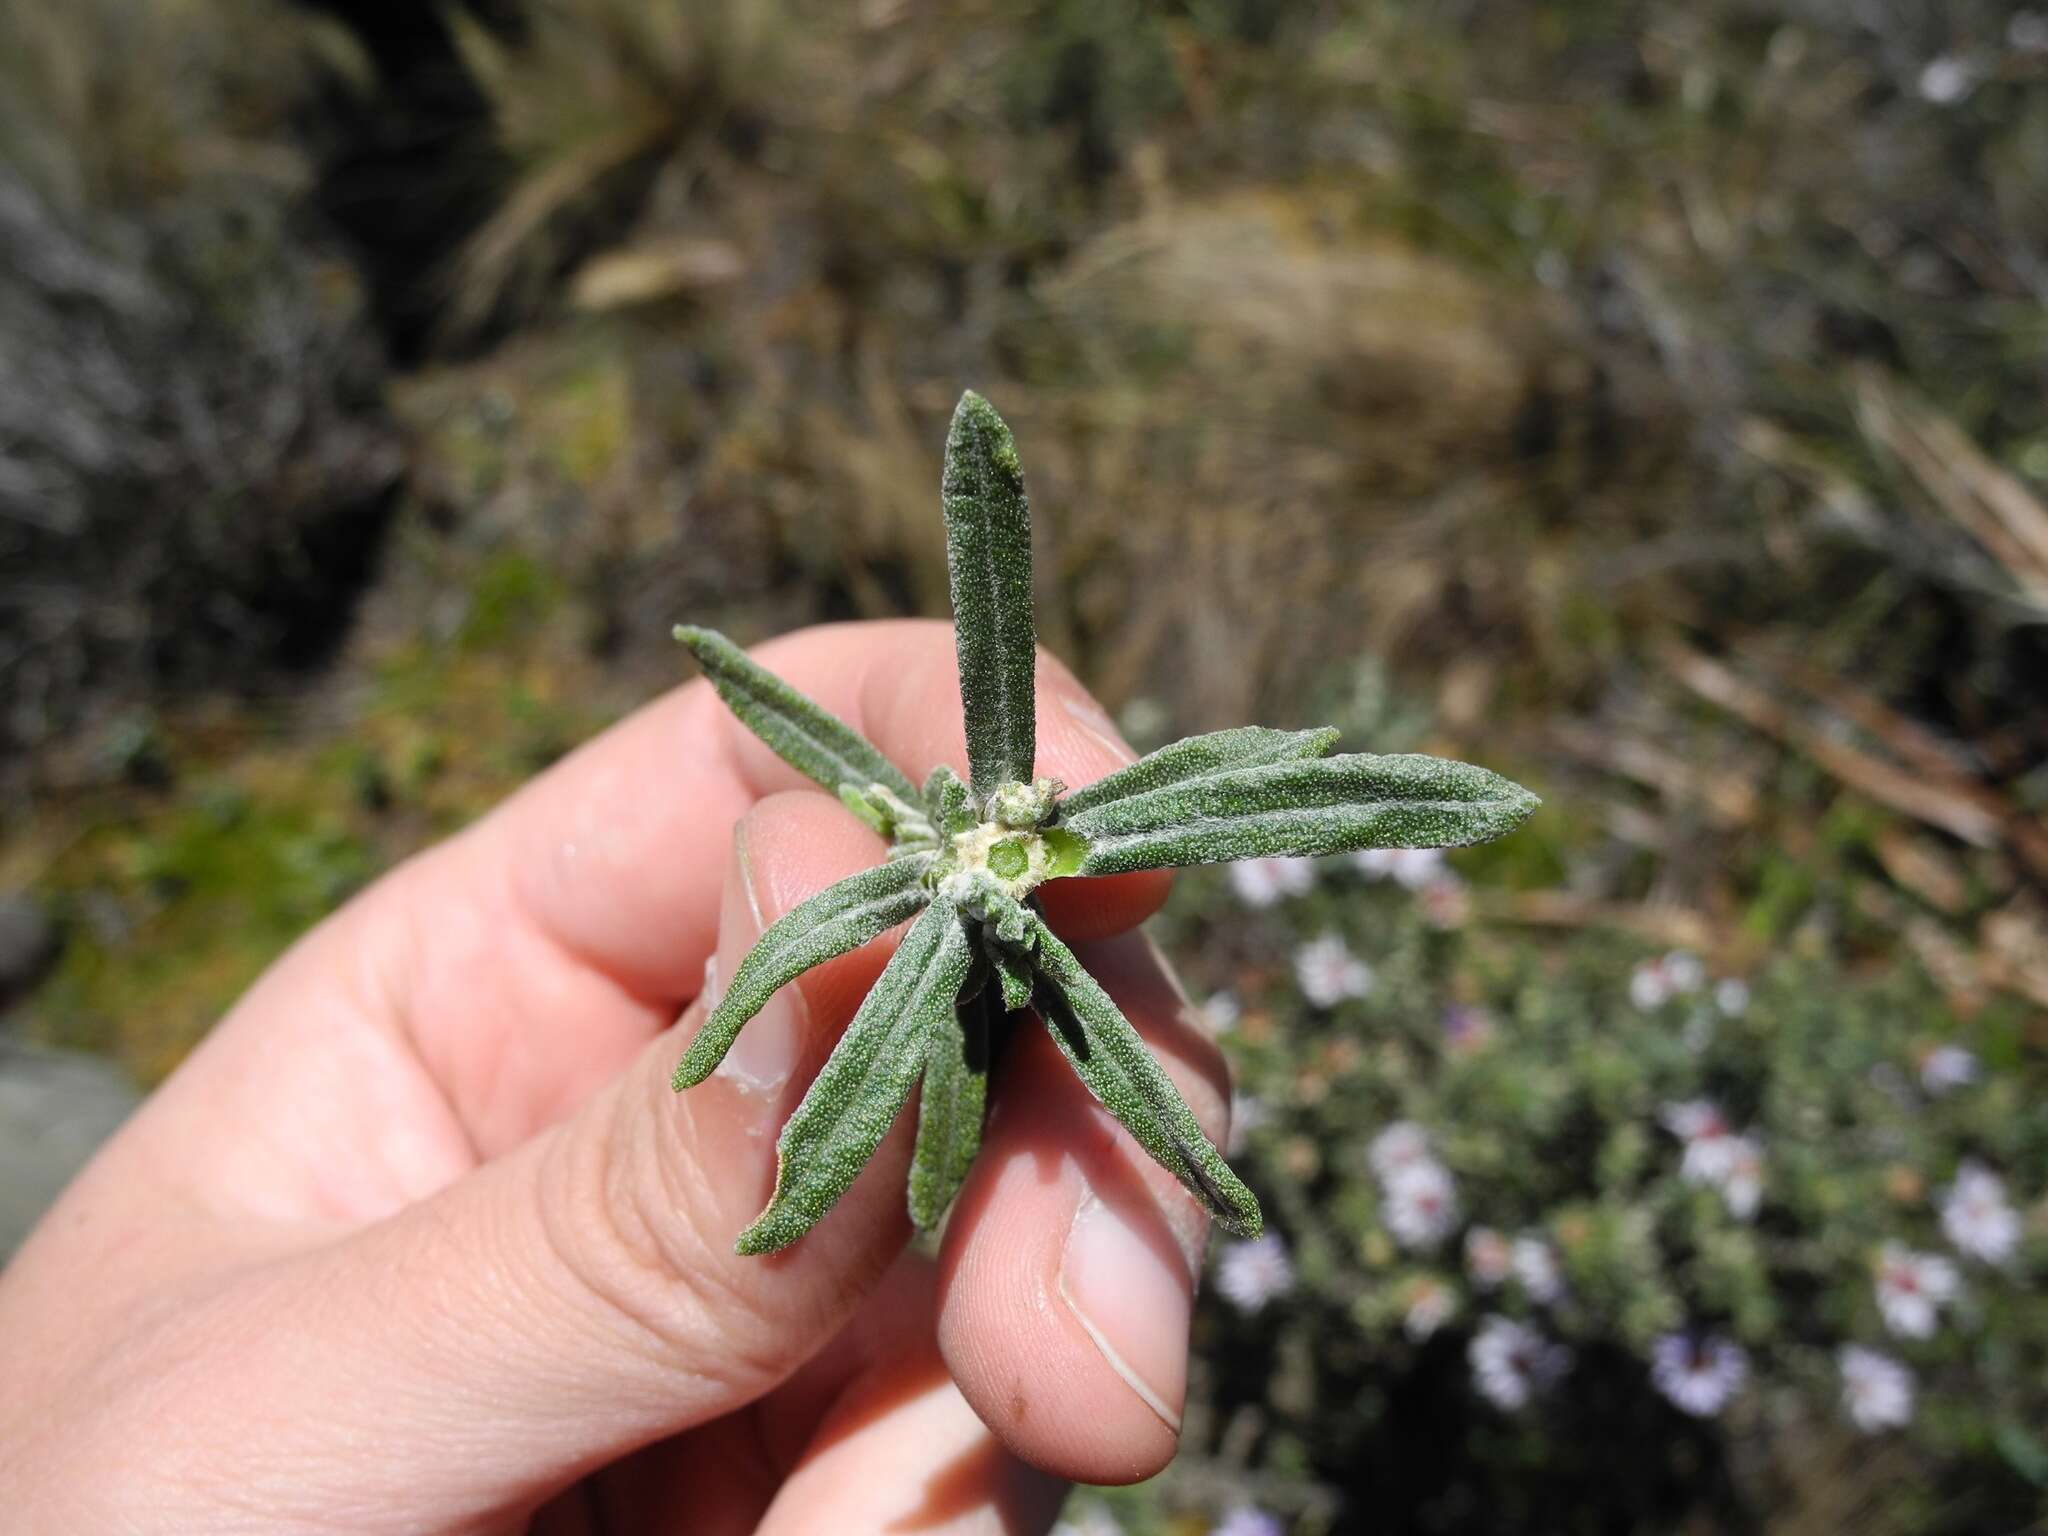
(580, 1297)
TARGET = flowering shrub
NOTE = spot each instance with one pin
(1555, 1226)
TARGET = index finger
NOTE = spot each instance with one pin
(618, 852)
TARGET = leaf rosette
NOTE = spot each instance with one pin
(965, 860)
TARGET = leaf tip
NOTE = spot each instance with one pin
(697, 640)
(974, 418)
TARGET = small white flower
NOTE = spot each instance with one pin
(1742, 1187)
(1431, 1304)
(1489, 1259)
(1411, 868)
(1245, 1520)
(1535, 1266)
(1715, 1155)
(1947, 80)
(1698, 1374)
(1694, 1120)
(1683, 971)
(1247, 1113)
(1947, 1067)
(1263, 882)
(1399, 1145)
(1329, 973)
(1976, 1216)
(1912, 1288)
(1421, 1204)
(1876, 1390)
(1731, 996)
(1251, 1274)
(1648, 987)
(2027, 32)
(1512, 1362)
(1219, 1014)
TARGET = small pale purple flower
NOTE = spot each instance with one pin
(1265, 882)
(1947, 80)
(1947, 1068)
(1420, 1204)
(1411, 868)
(1742, 1187)
(1397, 1146)
(1252, 1274)
(1976, 1216)
(1698, 1373)
(1512, 1362)
(1912, 1288)
(1877, 1390)
(1246, 1520)
(1219, 1014)
(1535, 1266)
(1329, 973)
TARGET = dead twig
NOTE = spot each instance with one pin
(1676, 927)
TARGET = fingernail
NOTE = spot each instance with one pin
(1131, 1291)
(766, 1052)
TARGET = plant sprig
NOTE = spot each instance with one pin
(966, 859)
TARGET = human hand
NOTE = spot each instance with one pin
(419, 1240)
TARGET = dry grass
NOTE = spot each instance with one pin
(589, 103)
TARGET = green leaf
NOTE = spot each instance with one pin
(951, 1106)
(1010, 970)
(1199, 757)
(1102, 1047)
(864, 1084)
(840, 918)
(988, 553)
(948, 803)
(811, 740)
(1316, 806)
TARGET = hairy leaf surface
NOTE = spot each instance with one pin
(1199, 757)
(1107, 1054)
(812, 740)
(856, 1098)
(1310, 807)
(840, 918)
(988, 555)
(951, 1105)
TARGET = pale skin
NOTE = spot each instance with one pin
(421, 1241)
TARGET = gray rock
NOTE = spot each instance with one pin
(56, 1107)
(28, 943)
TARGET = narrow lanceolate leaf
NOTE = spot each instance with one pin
(864, 1084)
(1200, 757)
(1102, 1047)
(951, 1105)
(988, 553)
(811, 740)
(1009, 972)
(839, 918)
(947, 802)
(1312, 806)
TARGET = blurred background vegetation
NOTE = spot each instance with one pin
(1648, 398)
